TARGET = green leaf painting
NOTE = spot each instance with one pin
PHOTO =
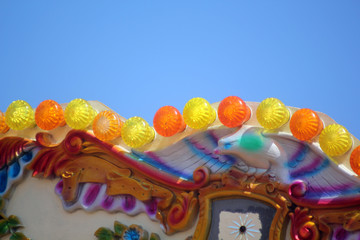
(10, 225)
(4, 227)
(18, 236)
(104, 234)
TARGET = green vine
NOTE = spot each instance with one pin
(10, 225)
(123, 232)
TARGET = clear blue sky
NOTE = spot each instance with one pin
(136, 56)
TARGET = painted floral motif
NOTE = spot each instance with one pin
(132, 233)
(239, 226)
(122, 232)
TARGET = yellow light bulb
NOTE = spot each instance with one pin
(19, 115)
(335, 140)
(198, 113)
(79, 114)
(136, 132)
(272, 113)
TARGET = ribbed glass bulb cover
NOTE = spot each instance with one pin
(136, 132)
(198, 113)
(272, 113)
(335, 140)
(233, 111)
(3, 126)
(355, 160)
(20, 115)
(107, 125)
(305, 124)
(79, 114)
(168, 121)
(49, 115)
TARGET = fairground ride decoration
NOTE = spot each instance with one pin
(229, 170)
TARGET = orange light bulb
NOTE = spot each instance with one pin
(49, 115)
(107, 125)
(305, 124)
(168, 121)
(3, 126)
(233, 112)
(355, 160)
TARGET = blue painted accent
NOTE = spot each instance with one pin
(312, 172)
(3, 179)
(141, 157)
(14, 169)
(210, 160)
(213, 139)
(293, 163)
(227, 146)
(27, 157)
(331, 194)
(131, 234)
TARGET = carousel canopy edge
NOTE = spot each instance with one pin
(169, 125)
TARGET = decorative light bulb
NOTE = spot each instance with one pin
(107, 125)
(305, 124)
(79, 114)
(49, 115)
(136, 132)
(3, 126)
(198, 113)
(272, 113)
(19, 115)
(335, 140)
(233, 112)
(168, 121)
(355, 160)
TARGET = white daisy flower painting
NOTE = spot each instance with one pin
(239, 226)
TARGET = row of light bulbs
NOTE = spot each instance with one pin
(198, 113)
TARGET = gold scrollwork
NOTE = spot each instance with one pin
(257, 191)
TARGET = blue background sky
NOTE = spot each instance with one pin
(136, 56)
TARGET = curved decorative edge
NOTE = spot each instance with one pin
(93, 172)
(83, 160)
(182, 213)
(16, 154)
(302, 227)
(264, 192)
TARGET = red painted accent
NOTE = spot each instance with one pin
(72, 146)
